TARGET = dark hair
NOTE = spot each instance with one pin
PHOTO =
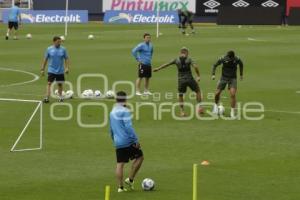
(17, 3)
(56, 38)
(121, 97)
(146, 34)
(231, 54)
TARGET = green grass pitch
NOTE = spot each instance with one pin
(250, 160)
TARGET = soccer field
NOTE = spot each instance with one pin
(250, 160)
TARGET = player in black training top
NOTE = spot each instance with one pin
(185, 78)
(230, 63)
(185, 17)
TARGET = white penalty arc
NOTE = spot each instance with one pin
(35, 77)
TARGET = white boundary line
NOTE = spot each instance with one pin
(255, 40)
(39, 106)
(35, 77)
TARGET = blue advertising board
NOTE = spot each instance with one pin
(50, 16)
(140, 17)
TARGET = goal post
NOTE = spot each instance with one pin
(38, 109)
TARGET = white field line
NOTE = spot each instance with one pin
(255, 40)
(35, 77)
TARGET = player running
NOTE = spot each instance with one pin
(229, 77)
(143, 53)
(125, 141)
(185, 77)
(58, 59)
(186, 17)
(14, 18)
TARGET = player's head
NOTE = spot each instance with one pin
(121, 97)
(147, 37)
(231, 54)
(179, 11)
(57, 41)
(184, 52)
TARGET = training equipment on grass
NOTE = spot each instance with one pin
(195, 181)
(39, 107)
(221, 110)
(28, 36)
(62, 38)
(98, 94)
(87, 94)
(69, 94)
(110, 94)
(107, 192)
(148, 184)
(205, 163)
(91, 37)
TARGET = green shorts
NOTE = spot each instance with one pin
(184, 84)
(232, 83)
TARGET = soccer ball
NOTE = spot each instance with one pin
(221, 110)
(110, 94)
(97, 93)
(87, 93)
(91, 37)
(148, 184)
(62, 38)
(69, 94)
(28, 36)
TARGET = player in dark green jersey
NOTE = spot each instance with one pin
(186, 17)
(230, 64)
(185, 77)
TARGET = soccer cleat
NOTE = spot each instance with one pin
(6, 37)
(182, 114)
(46, 100)
(232, 114)
(129, 184)
(215, 109)
(147, 93)
(121, 190)
(138, 94)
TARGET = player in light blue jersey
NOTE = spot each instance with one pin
(143, 53)
(57, 59)
(14, 18)
(125, 141)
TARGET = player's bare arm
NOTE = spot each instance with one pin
(162, 67)
(67, 65)
(43, 67)
(241, 66)
(196, 68)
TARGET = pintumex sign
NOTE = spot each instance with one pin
(149, 5)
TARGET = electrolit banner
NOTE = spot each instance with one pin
(149, 5)
(50, 16)
(136, 17)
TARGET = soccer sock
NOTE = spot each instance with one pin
(7, 33)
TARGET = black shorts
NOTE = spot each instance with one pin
(145, 71)
(14, 25)
(128, 153)
(60, 78)
(184, 84)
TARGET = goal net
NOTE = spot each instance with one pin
(22, 122)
